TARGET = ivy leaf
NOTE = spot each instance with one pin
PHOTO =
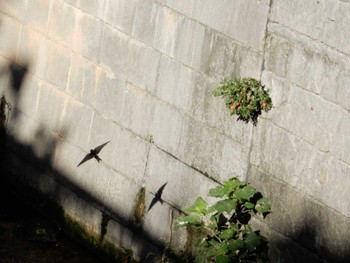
(222, 206)
(245, 193)
(252, 240)
(199, 207)
(223, 249)
(249, 205)
(263, 206)
(186, 220)
(228, 233)
(232, 184)
(236, 244)
(200, 258)
(222, 259)
(218, 191)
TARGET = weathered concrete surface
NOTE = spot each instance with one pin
(79, 73)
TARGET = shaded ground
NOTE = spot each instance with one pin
(28, 237)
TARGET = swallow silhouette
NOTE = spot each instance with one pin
(157, 196)
(93, 154)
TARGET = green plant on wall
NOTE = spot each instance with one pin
(245, 97)
(226, 235)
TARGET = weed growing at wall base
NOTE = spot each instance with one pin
(225, 233)
(245, 97)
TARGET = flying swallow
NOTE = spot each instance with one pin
(157, 196)
(93, 154)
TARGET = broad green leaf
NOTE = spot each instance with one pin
(249, 205)
(252, 240)
(224, 248)
(232, 184)
(186, 220)
(198, 207)
(200, 258)
(222, 259)
(228, 233)
(263, 206)
(236, 244)
(245, 193)
(218, 191)
(222, 206)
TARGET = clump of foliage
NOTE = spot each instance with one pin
(226, 235)
(245, 97)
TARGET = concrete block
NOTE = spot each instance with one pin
(63, 23)
(305, 221)
(332, 184)
(166, 127)
(67, 157)
(114, 51)
(309, 65)
(109, 95)
(292, 160)
(227, 158)
(146, 15)
(222, 57)
(95, 8)
(163, 168)
(157, 221)
(28, 95)
(245, 21)
(341, 140)
(175, 83)
(32, 47)
(88, 36)
(189, 39)
(50, 106)
(37, 14)
(14, 8)
(126, 152)
(82, 79)
(183, 7)
(81, 211)
(319, 20)
(167, 30)
(121, 14)
(307, 109)
(138, 108)
(124, 103)
(109, 188)
(142, 65)
(212, 110)
(45, 59)
(10, 33)
(56, 62)
(118, 234)
(76, 122)
(23, 128)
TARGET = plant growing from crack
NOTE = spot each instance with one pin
(225, 233)
(245, 97)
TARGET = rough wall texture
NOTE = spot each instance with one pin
(140, 73)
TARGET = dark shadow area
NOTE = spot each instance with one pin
(28, 236)
(306, 245)
(35, 180)
(157, 197)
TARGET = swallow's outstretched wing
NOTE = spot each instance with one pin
(157, 196)
(99, 148)
(86, 158)
(160, 191)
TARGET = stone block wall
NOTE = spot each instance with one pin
(138, 73)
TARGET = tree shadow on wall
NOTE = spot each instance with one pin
(34, 178)
(311, 243)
